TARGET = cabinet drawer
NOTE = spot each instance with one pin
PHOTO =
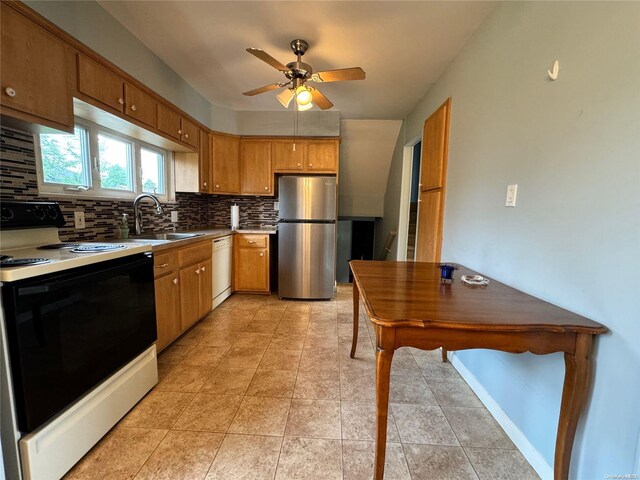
(198, 253)
(165, 263)
(252, 241)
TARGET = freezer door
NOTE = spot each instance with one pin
(307, 198)
(306, 260)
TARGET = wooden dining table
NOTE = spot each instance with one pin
(410, 306)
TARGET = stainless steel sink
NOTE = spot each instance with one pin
(166, 236)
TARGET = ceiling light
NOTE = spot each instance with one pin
(302, 108)
(284, 97)
(303, 95)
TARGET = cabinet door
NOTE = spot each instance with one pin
(225, 161)
(190, 132)
(204, 163)
(255, 167)
(251, 269)
(284, 158)
(322, 156)
(206, 288)
(37, 71)
(189, 296)
(100, 84)
(140, 106)
(169, 121)
(167, 290)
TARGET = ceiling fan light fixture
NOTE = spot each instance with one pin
(302, 108)
(303, 96)
(285, 97)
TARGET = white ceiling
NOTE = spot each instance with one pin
(402, 46)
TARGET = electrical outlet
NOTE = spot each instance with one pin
(174, 216)
(512, 191)
(79, 219)
(276, 205)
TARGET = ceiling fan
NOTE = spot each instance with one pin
(299, 73)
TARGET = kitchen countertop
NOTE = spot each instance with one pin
(210, 233)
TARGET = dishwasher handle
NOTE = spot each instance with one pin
(222, 243)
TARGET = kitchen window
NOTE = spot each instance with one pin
(99, 162)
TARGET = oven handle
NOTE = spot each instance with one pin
(58, 282)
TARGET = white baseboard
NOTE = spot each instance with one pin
(529, 452)
(221, 298)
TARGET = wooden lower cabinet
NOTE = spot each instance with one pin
(167, 290)
(251, 263)
(183, 290)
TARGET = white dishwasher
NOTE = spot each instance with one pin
(221, 269)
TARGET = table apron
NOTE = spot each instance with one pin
(537, 342)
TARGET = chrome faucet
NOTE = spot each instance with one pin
(137, 214)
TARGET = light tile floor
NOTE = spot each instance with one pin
(265, 389)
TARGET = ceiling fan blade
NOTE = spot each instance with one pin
(320, 100)
(265, 57)
(266, 88)
(340, 75)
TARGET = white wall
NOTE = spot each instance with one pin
(573, 148)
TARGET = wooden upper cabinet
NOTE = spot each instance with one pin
(225, 164)
(204, 164)
(140, 106)
(434, 143)
(322, 156)
(255, 167)
(37, 73)
(100, 84)
(287, 159)
(189, 132)
(169, 121)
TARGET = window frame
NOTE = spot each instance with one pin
(96, 190)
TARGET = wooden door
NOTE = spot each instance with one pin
(225, 162)
(102, 85)
(255, 168)
(167, 291)
(37, 72)
(169, 121)
(190, 132)
(204, 163)
(322, 156)
(285, 159)
(140, 106)
(189, 295)
(435, 141)
(206, 288)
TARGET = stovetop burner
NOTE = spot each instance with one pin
(96, 248)
(9, 261)
(58, 246)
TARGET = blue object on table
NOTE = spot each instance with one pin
(446, 271)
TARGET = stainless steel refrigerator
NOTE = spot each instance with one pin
(307, 237)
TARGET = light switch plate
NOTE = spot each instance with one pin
(78, 217)
(512, 191)
(174, 216)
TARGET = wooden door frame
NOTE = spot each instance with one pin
(443, 188)
(405, 194)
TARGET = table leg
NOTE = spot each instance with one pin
(383, 375)
(444, 355)
(574, 394)
(356, 316)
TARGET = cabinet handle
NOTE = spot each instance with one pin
(121, 100)
(298, 164)
(420, 185)
(10, 91)
(198, 271)
(162, 265)
(133, 108)
(261, 254)
(217, 186)
(251, 241)
(311, 164)
(266, 188)
(203, 269)
(179, 132)
(175, 281)
(204, 184)
(186, 135)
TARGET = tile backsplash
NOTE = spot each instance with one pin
(18, 181)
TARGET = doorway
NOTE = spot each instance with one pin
(413, 201)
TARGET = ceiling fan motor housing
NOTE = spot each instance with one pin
(298, 70)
